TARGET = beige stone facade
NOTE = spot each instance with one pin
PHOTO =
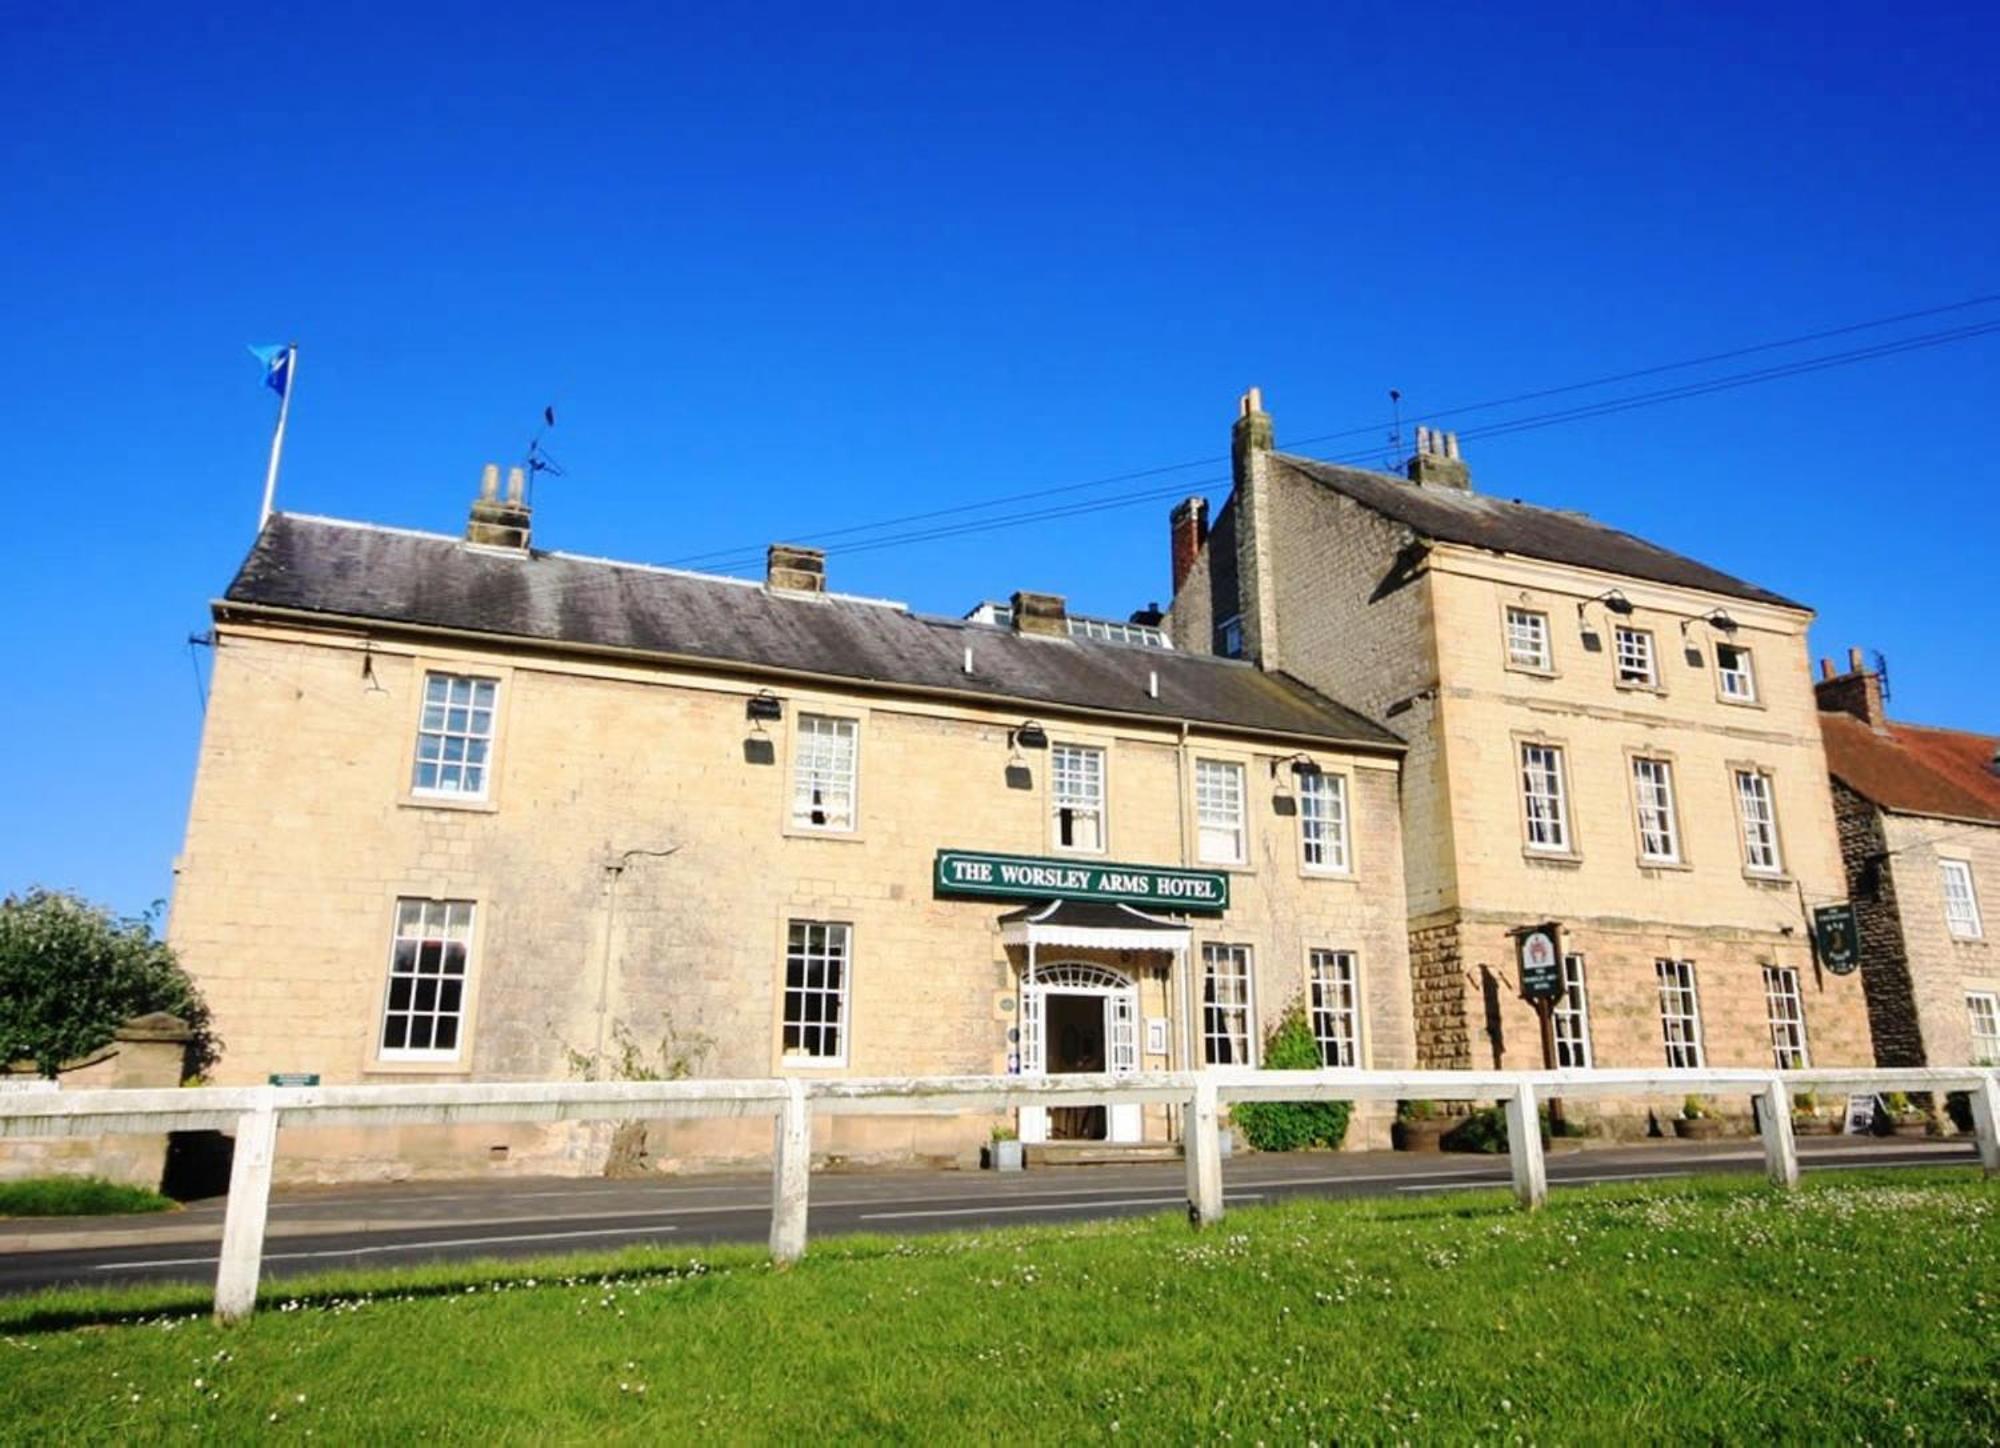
(1414, 630)
(633, 866)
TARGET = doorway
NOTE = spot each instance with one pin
(1079, 1018)
(1075, 1043)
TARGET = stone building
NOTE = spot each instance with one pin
(472, 809)
(1603, 734)
(1919, 812)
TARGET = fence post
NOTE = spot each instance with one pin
(791, 1175)
(1204, 1155)
(1774, 1124)
(1986, 1120)
(249, 1208)
(1524, 1147)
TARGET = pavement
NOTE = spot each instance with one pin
(383, 1224)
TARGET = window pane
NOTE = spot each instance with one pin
(815, 990)
(1542, 797)
(1218, 797)
(452, 732)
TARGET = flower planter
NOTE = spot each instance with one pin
(1419, 1135)
(1815, 1126)
(1004, 1156)
(1916, 1127)
(1697, 1128)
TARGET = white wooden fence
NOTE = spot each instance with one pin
(256, 1112)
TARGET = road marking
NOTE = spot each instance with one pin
(395, 1247)
(1051, 1207)
(1573, 1181)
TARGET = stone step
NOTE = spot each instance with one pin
(1099, 1153)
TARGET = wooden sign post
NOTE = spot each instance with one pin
(1538, 950)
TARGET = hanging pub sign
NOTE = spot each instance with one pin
(973, 872)
(1540, 951)
(1835, 938)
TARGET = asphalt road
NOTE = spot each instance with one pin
(315, 1229)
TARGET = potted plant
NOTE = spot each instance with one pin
(1903, 1116)
(1003, 1152)
(1418, 1126)
(1809, 1118)
(1696, 1122)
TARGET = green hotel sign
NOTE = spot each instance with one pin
(971, 872)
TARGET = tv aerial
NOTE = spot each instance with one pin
(539, 460)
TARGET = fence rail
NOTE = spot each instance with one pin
(257, 1112)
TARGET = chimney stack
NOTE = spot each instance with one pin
(498, 522)
(795, 569)
(1041, 613)
(1252, 433)
(1857, 692)
(1436, 462)
(1187, 525)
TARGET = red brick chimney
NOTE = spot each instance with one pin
(1188, 524)
(1857, 692)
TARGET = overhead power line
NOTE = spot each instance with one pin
(723, 559)
(749, 558)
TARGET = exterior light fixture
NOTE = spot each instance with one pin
(1302, 765)
(1029, 735)
(764, 705)
(1723, 621)
(1614, 601)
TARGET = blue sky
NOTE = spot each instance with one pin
(785, 270)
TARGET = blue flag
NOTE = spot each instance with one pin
(277, 366)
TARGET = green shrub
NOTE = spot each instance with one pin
(1291, 1125)
(1485, 1130)
(71, 974)
(1416, 1110)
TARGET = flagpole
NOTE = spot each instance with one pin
(278, 434)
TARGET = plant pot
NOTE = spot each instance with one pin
(1697, 1128)
(1815, 1126)
(1419, 1135)
(1004, 1156)
(1917, 1127)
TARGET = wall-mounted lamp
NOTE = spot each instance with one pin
(1717, 620)
(1283, 801)
(764, 706)
(1723, 621)
(1614, 601)
(1302, 765)
(1028, 735)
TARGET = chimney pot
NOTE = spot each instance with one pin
(517, 486)
(1041, 613)
(796, 569)
(1857, 692)
(497, 522)
(1854, 661)
(1436, 462)
(1826, 668)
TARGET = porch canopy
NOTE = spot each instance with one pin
(1083, 924)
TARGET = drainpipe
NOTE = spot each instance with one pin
(614, 870)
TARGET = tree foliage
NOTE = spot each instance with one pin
(71, 974)
(1291, 1125)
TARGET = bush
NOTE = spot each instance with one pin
(75, 1197)
(1291, 1125)
(71, 974)
(1485, 1130)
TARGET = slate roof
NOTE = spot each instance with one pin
(1914, 769)
(399, 577)
(1454, 515)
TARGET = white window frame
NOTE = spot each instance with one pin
(1961, 900)
(1736, 684)
(1634, 657)
(1544, 809)
(1653, 800)
(1078, 785)
(1982, 1018)
(1334, 996)
(1221, 813)
(1229, 1014)
(1785, 1008)
(819, 773)
(1530, 642)
(1757, 819)
(1570, 1016)
(1680, 1013)
(456, 723)
(426, 925)
(828, 944)
(1325, 840)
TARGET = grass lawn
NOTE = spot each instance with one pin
(76, 1197)
(1864, 1307)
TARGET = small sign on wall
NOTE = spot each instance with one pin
(1156, 1035)
(295, 1078)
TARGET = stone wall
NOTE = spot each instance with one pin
(1885, 972)
(149, 1053)
(1943, 968)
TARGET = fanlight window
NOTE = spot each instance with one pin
(1075, 975)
